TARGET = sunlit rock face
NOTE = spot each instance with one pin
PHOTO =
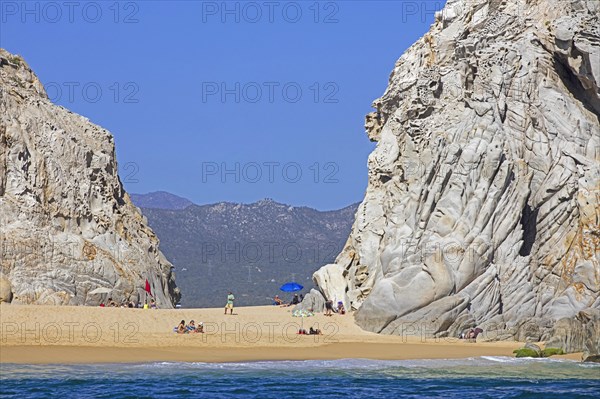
(483, 202)
(67, 227)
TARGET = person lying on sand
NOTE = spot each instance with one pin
(311, 331)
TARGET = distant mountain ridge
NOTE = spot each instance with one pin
(160, 200)
(250, 249)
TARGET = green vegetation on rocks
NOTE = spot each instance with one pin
(525, 352)
(531, 352)
(547, 352)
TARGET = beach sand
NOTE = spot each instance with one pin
(77, 334)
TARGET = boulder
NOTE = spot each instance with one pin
(332, 283)
(5, 290)
(578, 334)
(312, 302)
(533, 347)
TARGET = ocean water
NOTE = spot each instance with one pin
(485, 377)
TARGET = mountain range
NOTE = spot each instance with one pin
(249, 249)
(160, 200)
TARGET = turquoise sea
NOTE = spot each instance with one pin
(485, 377)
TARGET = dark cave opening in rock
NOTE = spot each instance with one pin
(529, 224)
(385, 178)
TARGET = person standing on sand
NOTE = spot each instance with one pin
(329, 307)
(229, 305)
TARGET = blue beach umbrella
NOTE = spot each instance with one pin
(291, 287)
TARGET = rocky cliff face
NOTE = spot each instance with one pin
(483, 203)
(67, 227)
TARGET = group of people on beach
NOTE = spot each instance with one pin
(340, 309)
(471, 334)
(131, 304)
(296, 299)
(183, 328)
(191, 328)
(311, 331)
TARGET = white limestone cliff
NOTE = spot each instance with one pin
(67, 226)
(483, 200)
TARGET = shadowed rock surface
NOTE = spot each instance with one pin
(483, 202)
(67, 227)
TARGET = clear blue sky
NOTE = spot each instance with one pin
(191, 89)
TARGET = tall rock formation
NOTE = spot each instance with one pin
(69, 234)
(483, 202)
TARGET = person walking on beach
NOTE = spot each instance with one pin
(229, 305)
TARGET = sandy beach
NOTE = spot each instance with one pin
(53, 334)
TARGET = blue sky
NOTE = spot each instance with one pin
(224, 101)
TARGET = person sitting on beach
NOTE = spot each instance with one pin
(295, 300)
(472, 334)
(340, 308)
(181, 328)
(313, 331)
(277, 301)
(191, 327)
(200, 328)
(146, 304)
(153, 304)
(329, 308)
